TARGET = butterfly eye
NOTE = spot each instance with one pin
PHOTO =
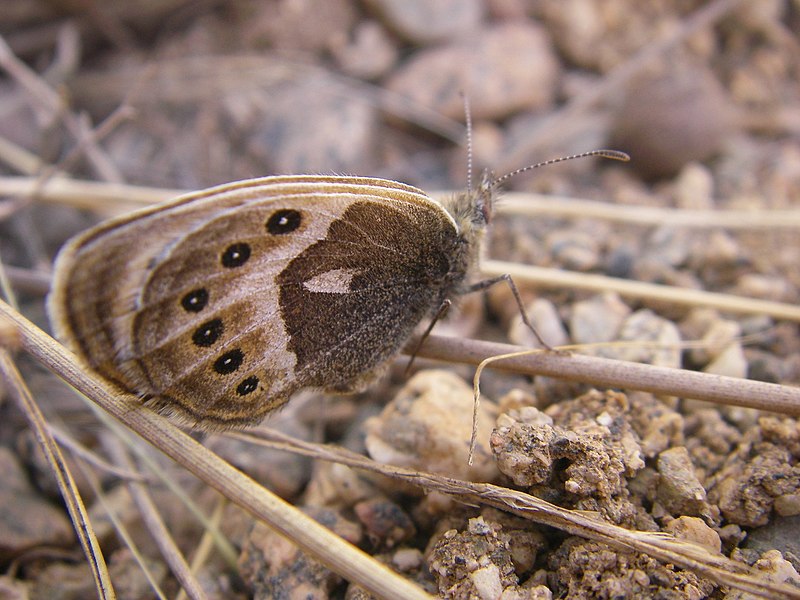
(229, 362)
(283, 221)
(207, 333)
(235, 255)
(195, 301)
(247, 386)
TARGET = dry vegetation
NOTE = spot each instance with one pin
(661, 458)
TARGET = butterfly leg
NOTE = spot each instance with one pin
(487, 283)
(443, 308)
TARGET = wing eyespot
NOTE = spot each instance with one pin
(229, 362)
(235, 255)
(208, 333)
(247, 386)
(195, 301)
(284, 221)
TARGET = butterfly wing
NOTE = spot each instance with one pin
(220, 305)
(350, 300)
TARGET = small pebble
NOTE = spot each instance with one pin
(598, 319)
(272, 566)
(719, 334)
(730, 362)
(423, 22)
(285, 26)
(669, 245)
(645, 326)
(765, 287)
(717, 256)
(367, 53)
(692, 529)
(574, 250)
(407, 559)
(304, 127)
(694, 188)
(385, 522)
(486, 582)
(679, 491)
(544, 316)
(788, 505)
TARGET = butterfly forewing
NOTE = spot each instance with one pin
(392, 279)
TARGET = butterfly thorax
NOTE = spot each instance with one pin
(472, 211)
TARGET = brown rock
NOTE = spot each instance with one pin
(427, 426)
(679, 490)
(282, 472)
(272, 566)
(367, 53)
(27, 519)
(764, 467)
(14, 589)
(475, 563)
(503, 69)
(670, 119)
(424, 22)
(386, 523)
(598, 319)
(587, 569)
(308, 25)
(645, 325)
(581, 460)
(543, 315)
(305, 127)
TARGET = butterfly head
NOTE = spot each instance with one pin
(472, 209)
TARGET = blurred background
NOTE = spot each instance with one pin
(703, 94)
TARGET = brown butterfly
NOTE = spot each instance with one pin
(219, 305)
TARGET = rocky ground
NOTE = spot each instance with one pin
(705, 96)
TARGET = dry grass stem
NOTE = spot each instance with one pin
(120, 529)
(604, 372)
(91, 458)
(52, 105)
(338, 555)
(223, 546)
(66, 483)
(558, 278)
(204, 548)
(537, 205)
(154, 523)
(18, 158)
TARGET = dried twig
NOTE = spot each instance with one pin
(339, 556)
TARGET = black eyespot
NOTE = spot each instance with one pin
(247, 386)
(284, 221)
(235, 255)
(195, 301)
(229, 362)
(208, 333)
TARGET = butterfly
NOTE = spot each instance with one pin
(218, 306)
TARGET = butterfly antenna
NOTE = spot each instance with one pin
(468, 120)
(612, 154)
